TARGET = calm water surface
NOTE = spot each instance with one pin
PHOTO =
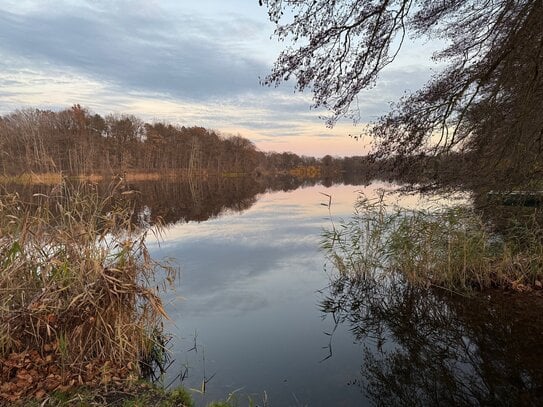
(257, 313)
(248, 298)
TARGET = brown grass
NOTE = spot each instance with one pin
(49, 178)
(75, 272)
(133, 176)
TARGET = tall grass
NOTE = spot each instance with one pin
(76, 278)
(452, 248)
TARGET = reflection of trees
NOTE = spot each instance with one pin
(199, 199)
(194, 199)
(172, 201)
(434, 348)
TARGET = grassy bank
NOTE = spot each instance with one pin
(79, 303)
(54, 178)
(134, 395)
(182, 174)
(139, 394)
(454, 248)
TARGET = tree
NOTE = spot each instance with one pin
(488, 100)
(127, 132)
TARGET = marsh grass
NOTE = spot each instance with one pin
(77, 280)
(49, 178)
(451, 247)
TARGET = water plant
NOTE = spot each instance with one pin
(79, 297)
(449, 247)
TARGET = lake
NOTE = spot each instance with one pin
(259, 313)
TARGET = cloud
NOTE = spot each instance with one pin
(184, 57)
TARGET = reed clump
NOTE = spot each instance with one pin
(78, 302)
(453, 248)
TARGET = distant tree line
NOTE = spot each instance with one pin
(75, 141)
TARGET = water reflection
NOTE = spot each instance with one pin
(425, 347)
(249, 277)
(248, 285)
(184, 200)
(202, 199)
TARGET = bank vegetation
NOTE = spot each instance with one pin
(80, 298)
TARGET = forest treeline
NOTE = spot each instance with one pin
(75, 141)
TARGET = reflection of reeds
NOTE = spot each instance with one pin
(439, 348)
(451, 247)
(76, 279)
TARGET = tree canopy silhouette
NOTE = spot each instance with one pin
(488, 100)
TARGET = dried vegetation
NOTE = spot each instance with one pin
(454, 248)
(79, 301)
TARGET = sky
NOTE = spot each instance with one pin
(191, 63)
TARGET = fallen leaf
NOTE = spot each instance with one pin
(40, 394)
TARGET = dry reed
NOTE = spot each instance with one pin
(453, 248)
(76, 276)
